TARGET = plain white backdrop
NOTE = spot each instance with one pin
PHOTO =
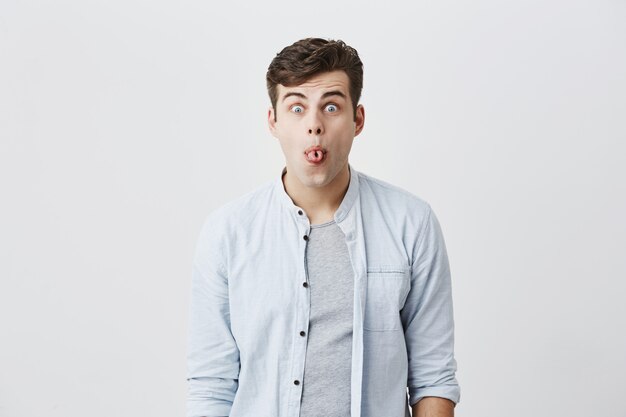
(123, 124)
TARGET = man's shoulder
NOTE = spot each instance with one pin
(386, 193)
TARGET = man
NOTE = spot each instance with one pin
(324, 292)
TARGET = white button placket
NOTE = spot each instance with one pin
(303, 311)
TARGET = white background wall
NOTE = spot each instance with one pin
(123, 124)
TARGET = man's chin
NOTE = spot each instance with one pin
(312, 179)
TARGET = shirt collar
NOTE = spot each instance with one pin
(346, 204)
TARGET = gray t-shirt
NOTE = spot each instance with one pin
(327, 370)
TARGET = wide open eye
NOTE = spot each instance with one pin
(331, 108)
(297, 109)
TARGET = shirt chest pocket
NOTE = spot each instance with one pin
(387, 289)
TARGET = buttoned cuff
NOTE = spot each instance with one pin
(200, 408)
(451, 392)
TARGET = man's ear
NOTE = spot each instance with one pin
(359, 120)
(271, 123)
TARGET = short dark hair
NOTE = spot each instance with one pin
(302, 60)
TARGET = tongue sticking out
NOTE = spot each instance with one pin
(315, 156)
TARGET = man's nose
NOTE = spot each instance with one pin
(315, 125)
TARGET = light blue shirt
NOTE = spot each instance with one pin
(250, 304)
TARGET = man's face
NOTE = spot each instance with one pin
(316, 113)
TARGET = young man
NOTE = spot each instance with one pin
(324, 292)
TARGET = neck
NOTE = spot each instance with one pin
(320, 203)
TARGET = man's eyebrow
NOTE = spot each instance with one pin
(333, 93)
(325, 95)
(293, 93)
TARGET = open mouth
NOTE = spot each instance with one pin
(315, 154)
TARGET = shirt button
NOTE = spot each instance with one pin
(302, 333)
(300, 212)
(305, 237)
(296, 382)
(305, 284)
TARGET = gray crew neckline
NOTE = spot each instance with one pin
(328, 223)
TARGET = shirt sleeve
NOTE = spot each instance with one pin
(212, 353)
(427, 318)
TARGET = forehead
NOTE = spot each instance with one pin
(318, 84)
